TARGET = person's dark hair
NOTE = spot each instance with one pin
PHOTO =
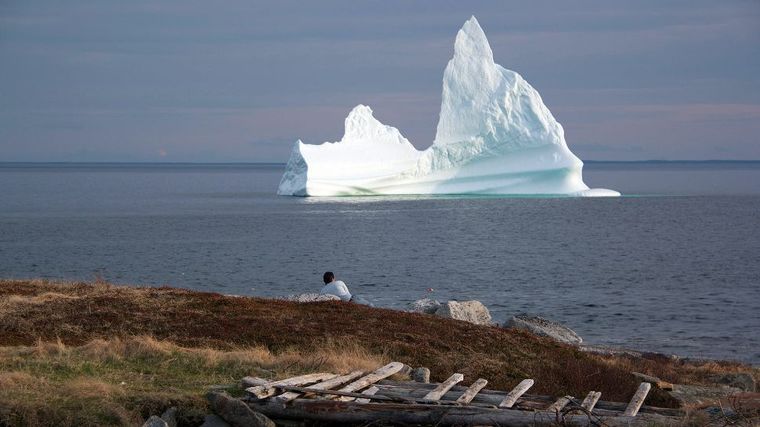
(328, 277)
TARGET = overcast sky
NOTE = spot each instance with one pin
(200, 81)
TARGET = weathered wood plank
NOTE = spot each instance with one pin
(267, 390)
(590, 401)
(559, 404)
(637, 400)
(473, 390)
(252, 382)
(368, 392)
(443, 387)
(511, 398)
(337, 412)
(324, 385)
(371, 378)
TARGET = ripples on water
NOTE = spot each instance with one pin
(673, 267)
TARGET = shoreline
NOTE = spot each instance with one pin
(119, 345)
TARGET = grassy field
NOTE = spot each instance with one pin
(98, 354)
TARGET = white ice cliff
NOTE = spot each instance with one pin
(494, 136)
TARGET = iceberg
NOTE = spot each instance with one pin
(494, 136)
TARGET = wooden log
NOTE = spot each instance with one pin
(368, 392)
(494, 397)
(443, 387)
(333, 412)
(559, 404)
(247, 382)
(267, 390)
(637, 400)
(515, 394)
(324, 385)
(590, 401)
(472, 390)
(371, 378)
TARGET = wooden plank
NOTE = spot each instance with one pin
(371, 378)
(267, 390)
(443, 387)
(637, 400)
(590, 401)
(511, 398)
(324, 385)
(368, 392)
(471, 391)
(252, 382)
(559, 404)
(330, 412)
(495, 397)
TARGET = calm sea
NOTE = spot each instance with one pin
(674, 266)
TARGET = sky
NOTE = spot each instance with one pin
(241, 80)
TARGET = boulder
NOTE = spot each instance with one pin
(235, 412)
(469, 311)
(312, 297)
(421, 375)
(740, 380)
(155, 421)
(544, 327)
(170, 417)
(214, 421)
(424, 305)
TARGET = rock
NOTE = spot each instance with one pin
(544, 327)
(170, 417)
(740, 380)
(155, 421)
(312, 297)
(469, 311)
(701, 395)
(214, 421)
(424, 305)
(421, 375)
(235, 412)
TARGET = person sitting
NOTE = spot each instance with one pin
(335, 287)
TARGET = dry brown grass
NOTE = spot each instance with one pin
(167, 344)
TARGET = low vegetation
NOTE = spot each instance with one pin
(98, 354)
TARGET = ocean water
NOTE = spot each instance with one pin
(674, 266)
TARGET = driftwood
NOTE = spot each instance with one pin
(443, 387)
(324, 385)
(368, 392)
(338, 412)
(590, 401)
(637, 400)
(495, 397)
(511, 398)
(559, 404)
(369, 379)
(266, 390)
(472, 390)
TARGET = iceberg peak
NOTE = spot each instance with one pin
(472, 42)
(494, 136)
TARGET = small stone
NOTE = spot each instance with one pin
(236, 412)
(312, 297)
(155, 421)
(469, 311)
(421, 375)
(170, 417)
(424, 305)
(544, 327)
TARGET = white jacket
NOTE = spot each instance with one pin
(337, 288)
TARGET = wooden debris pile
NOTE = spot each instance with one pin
(359, 398)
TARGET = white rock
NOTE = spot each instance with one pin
(494, 136)
(469, 311)
(424, 305)
(544, 327)
(312, 297)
